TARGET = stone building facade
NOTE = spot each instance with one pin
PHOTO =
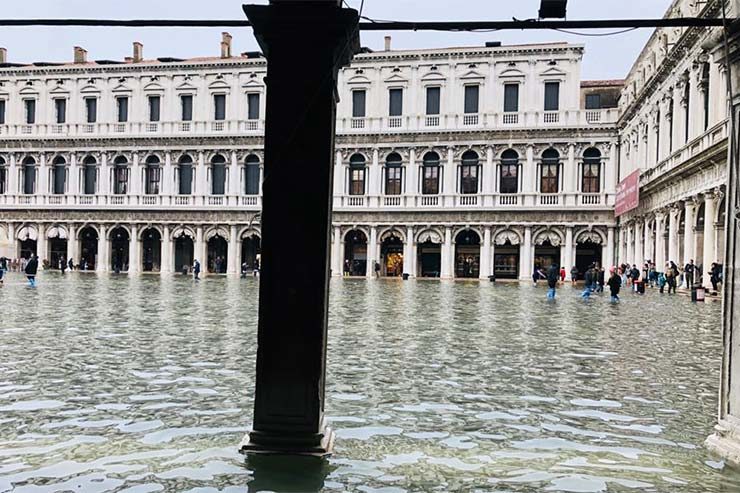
(460, 162)
(673, 128)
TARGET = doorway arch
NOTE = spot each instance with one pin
(467, 254)
(89, 240)
(355, 253)
(151, 250)
(119, 250)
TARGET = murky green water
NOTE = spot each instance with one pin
(144, 385)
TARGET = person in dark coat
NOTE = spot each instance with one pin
(31, 268)
(553, 274)
(600, 275)
(3, 268)
(614, 283)
(196, 270)
(588, 278)
(71, 265)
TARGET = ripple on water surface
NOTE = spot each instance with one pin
(142, 385)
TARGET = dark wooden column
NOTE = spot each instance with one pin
(305, 42)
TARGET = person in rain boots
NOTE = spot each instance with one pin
(31, 268)
(553, 274)
(615, 284)
(196, 270)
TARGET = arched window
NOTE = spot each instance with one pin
(591, 171)
(153, 175)
(252, 175)
(469, 173)
(393, 174)
(430, 174)
(59, 172)
(91, 175)
(509, 180)
(3, 177)
(185, 175)
(218, 175)
(120, 176)
(29, 175)
(550, 172)
(357, 175)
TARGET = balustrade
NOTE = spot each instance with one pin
(508, 199)
(549, 199)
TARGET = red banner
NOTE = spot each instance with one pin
(628, 194)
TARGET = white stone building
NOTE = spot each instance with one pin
(455, 162)
(673, 128)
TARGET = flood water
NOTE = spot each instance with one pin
(145, 384)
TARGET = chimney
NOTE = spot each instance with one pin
(138, 52)
(387, 43)
(225, 45)
(80, 55)
(3, 55)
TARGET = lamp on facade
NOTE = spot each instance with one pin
(552, 9)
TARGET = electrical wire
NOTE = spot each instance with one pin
(596, 35)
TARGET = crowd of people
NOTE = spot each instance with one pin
(29, 266)
(672, 276)
(629, 276)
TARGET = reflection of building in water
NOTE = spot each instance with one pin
(456, 162)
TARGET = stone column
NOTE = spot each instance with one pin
(609, 255)
(639, 257)
(167, 258)
(43, 183)
(659, 242)
(688, 231)
(375, 188)
(710, 210)
(447, 255)
(74, 175)
(569, 185)
(489, 173)
(568, 252)
(372, 252)
(339, 175)
(293, 309)
(338, 254)
(409, 266)
(43, 245)
(234, 178)
(134, 250)
(13, 177)
(104, 178)
(673, 235)
(528, 173)
(449, 188)
(411, 171)
(201, 180)
(696, 106)
(72, 243)
(485, 254)
(611, 170)
(200, 249)
(525, 256)
(649, 251)
(232, 262)
(101, 263)
(135, 177)
(630, 250)
(168, 178)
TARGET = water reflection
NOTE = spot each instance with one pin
(144, 384)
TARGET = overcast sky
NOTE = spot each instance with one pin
(605, 58)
